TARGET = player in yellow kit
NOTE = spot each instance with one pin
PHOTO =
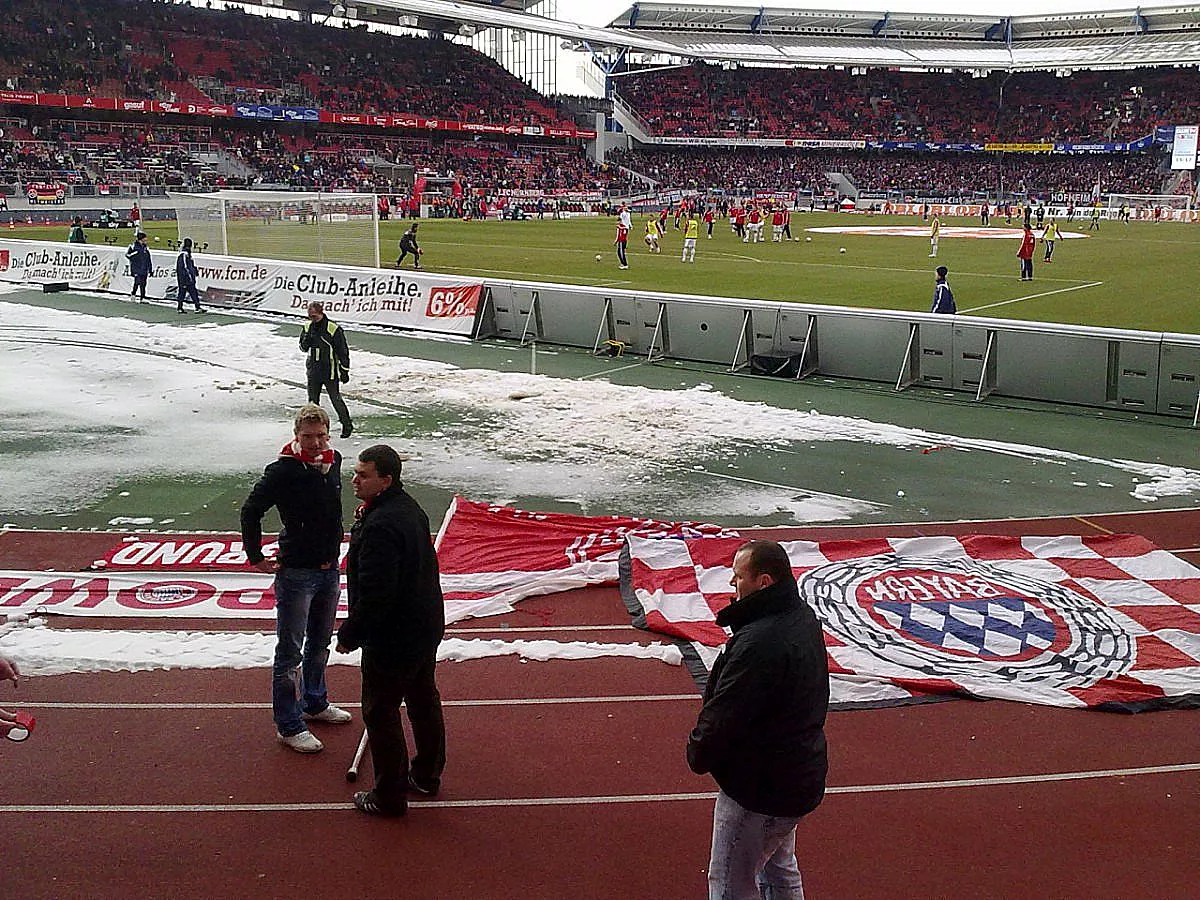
(689, 239)
(653, 235)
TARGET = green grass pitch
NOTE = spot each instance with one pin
(1136, 276)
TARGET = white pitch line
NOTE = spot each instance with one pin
(784, 487)
(517, 701)
(753, 259)
(602, 800)
(611, 371)
(1077, 287)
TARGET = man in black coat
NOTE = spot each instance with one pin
(328, 363)
(140, 264)
(397, 617)
(305, 485)
(761, 729)
(185, 277)
(408, 245)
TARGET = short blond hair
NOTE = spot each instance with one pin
(310, 412)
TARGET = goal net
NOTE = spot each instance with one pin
(309, 227)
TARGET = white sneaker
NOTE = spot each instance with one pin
(330, 714)
(304, 742)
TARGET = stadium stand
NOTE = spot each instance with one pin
(709, 100)
(181, 53)
(946, 174)
(153, 50)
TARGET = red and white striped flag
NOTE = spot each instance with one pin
(492, 556)
(1108, 621)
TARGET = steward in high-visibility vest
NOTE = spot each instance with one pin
(328, 363)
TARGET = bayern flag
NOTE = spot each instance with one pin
(1109, 622)
(492, 556)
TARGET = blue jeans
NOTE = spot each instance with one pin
(753, 856)
(305, 606)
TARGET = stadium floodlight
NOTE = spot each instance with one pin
(339, 9)
(467, 31)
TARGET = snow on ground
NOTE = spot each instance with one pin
(47, 651)
(155, 399)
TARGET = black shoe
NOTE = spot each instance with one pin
(368, 802)
(347, 429)
(425, 790)
(180, 310)
(199, 309)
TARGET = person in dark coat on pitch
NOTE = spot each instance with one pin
(408, 245)
(943, 297)
(185, 277)
(140, 264)
(397, 617)
(761, 729)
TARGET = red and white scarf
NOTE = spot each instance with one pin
(322, 459)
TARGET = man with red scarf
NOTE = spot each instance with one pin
(305, 485)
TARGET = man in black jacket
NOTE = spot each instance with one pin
(185, 277)
(328, 363)
(305, 485)
(140, 264)
(408, 245)
(761, 729)
(397, 617)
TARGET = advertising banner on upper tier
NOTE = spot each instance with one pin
(421, 301)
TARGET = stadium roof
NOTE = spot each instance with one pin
(1113, 38)
(465, 18)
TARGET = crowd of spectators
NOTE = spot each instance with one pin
(83, 151)
(40, 162)
(148, 49)
(709, 100)
(910, 172)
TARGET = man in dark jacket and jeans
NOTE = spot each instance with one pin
(761, 729)
(305, 485)
(397, 617)
(328, 363)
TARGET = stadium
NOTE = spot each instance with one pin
(677, 286)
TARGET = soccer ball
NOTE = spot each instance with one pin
(808, 240)
(841, 249)
(599, 257)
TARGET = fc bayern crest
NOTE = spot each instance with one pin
(968, 621)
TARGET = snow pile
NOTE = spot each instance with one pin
(40, 650)
(157, 399)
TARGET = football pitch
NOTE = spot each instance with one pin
(1135, 276)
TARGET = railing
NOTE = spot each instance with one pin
(1134, 371)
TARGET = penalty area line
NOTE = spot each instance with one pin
(1078, 287)
(603, 800)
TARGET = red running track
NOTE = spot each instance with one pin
(567, 779)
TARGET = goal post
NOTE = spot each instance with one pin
(308, 227)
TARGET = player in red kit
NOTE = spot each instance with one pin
(621, 242)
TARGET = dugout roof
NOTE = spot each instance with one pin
(1109, 39)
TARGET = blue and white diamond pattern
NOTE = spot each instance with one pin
(1000, 627)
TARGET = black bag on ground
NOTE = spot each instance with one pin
(779, 366)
